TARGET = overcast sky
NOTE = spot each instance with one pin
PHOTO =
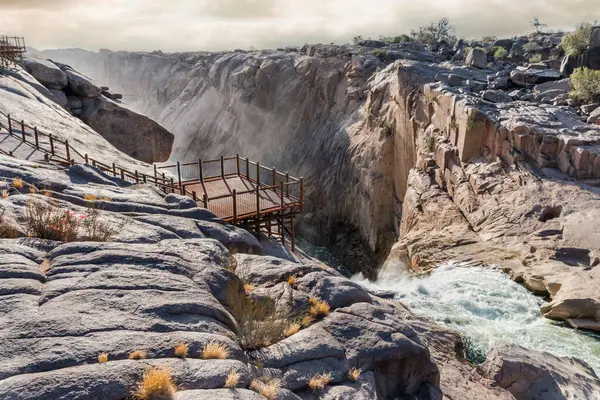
(185, 25)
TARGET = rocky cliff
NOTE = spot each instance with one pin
(449, 152)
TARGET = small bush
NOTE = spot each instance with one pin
(475, 119)
(260, 322)
(319, 308)
(157, 384)
(536, 58)
(500, 53)
(386, 129)
(266, 387)
(97, 230)
(215, 351)
(292, 280)
(319, 381)
(354, 374)
(531, 46)
(46, 220)
(102, 357)
(5, 194)
(381, 54)
(138, 355)
(586, 84)
(233, 378)
(181, 350)
(578, 41)
(429, 143)
(17, 183)
(434, 32)
(248, 288)
(292, 329)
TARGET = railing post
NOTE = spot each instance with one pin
(274, 176)
(302, 194)
(9, 125)
(67, 149)
(222, 168)
(23, 130)
(155, 174)
(292, 233)
(282, 222)
(281, 193)
(257, 218)
(86, 158)
(205, 200)
(37, 139)
(237, 163)
(144, 178)
(179, 174)
(258, 173)
(287, 186)
(200, 170)
(235, 207)
(172, 186)
(137, 179)
(194, 195)
(114, 169)
(51, 144)
(247, 168)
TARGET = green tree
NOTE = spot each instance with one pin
(434, 32)
(537, 25)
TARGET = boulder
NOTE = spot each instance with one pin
(540, 376)
(59, 96)
(81, 84)
(594, 117)
(477, 58)
(568, 65)
(496, 96)
(506, 43)
(372, 43)
(563, 85)
(126, 129)
(530, 77)
(46, 72)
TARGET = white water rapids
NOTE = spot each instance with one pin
(487, 307)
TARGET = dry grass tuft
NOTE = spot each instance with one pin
(47, 193)
(138, 355)
(319, 308)
(354, 374)
(181, 350)
(45, 266)
(248, 288)
(157, 384)
(106, 198)
(292, 329)
(233, 378)
(4, 194)
(319, 381)
(260, 322)
(90, 197)
(32, 189)
(46, 220)
(266, 387)
(307, 321)
(102, 357)
(97, 230)
(292, 280)
(17, 183)
(215, 351)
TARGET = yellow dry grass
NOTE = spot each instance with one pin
(181, 350)
(32, 189)
(319, 308)
(106, 198)
(215, 351)
(233, 378)
(292, 280)
(307, 321)
(138, 355)
(292, 329)
(266, 387)
(90, 197)
(17, 183)
(319, 381)
(248, 288)
(354, 374)
(157, 384)
(103, 357)
(4, 194)
(47, 193)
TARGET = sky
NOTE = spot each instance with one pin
(192, 25)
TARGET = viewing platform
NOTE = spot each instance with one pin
(241, 192)
(12, 49)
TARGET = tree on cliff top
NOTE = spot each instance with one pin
(434, 32)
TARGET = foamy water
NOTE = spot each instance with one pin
(487, 307)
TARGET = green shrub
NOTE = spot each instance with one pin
(395, 39)
(586, 84)
(576, 42)
(531, 46)
(500, 53)
(381, 53)
(536, 58)
(475, 119)
(434, 32)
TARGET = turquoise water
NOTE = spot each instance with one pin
(487, 307)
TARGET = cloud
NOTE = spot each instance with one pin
(188, 25)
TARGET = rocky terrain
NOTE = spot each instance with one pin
(411, 154)
(391, 136)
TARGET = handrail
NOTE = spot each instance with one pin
(275, 185)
